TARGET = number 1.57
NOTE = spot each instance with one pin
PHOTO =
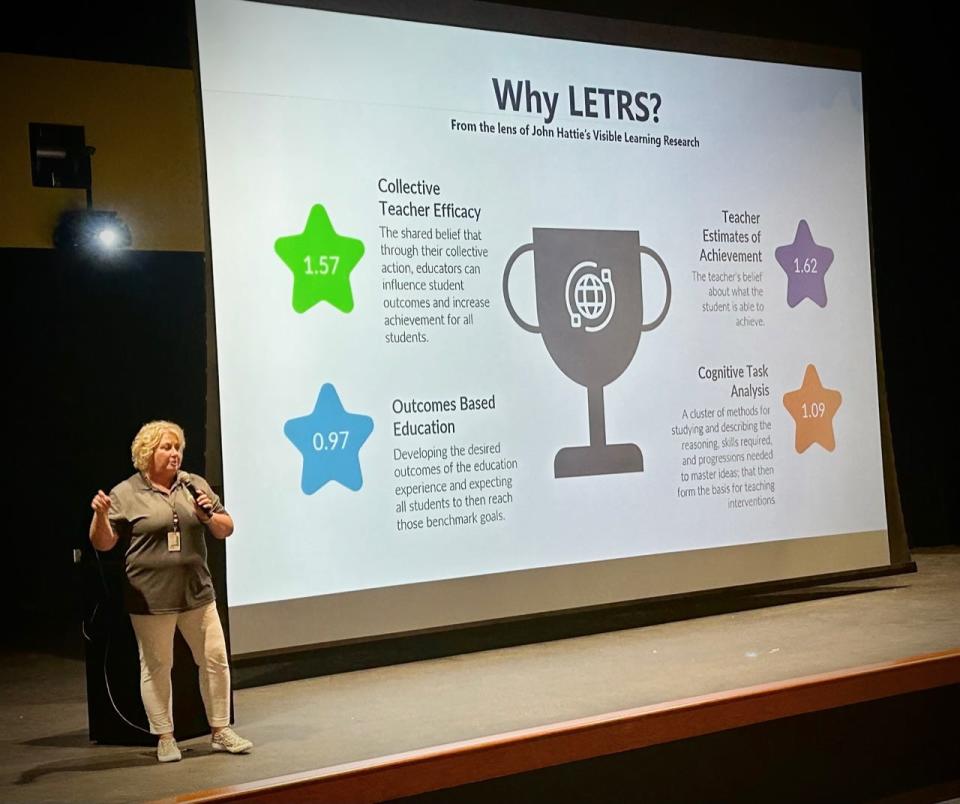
(322, 265)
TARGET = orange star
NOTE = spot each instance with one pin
(813, 407)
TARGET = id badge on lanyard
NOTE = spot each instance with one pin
(173, 536)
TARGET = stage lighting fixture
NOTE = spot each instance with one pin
(60, 158)
(97, 229)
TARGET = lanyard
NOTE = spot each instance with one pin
(168, 499)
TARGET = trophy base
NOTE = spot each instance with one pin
(609, 459)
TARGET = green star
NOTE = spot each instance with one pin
(321, 261)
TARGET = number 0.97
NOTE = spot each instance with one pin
(331, 440)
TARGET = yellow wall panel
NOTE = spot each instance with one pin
(143, 121)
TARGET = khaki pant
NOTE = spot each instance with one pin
(203, 633)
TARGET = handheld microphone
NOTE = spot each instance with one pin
(194, 492)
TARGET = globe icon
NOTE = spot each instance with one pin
(590, 297)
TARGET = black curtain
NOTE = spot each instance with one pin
(96, 347)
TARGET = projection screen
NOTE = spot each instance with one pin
(512, 323)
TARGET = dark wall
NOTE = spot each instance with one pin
(905, 75)
(95, 349)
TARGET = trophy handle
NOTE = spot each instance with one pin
(506, 289)
(666, 305)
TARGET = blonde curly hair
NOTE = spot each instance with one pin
(147, 439)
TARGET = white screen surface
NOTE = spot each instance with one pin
(353, 161)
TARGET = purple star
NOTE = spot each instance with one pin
(805, 263)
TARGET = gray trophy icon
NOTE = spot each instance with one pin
(590, 313)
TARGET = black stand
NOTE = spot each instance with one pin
(113, 664)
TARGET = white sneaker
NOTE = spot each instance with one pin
(231, 742)
(168, 750)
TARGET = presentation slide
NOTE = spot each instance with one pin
(490, 303)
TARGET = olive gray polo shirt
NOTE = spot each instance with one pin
(160, 580)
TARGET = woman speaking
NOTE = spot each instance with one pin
(160, 516)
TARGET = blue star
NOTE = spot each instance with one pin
(329, 439)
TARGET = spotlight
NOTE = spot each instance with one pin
(96, 229)
(60, 157)
(109, 237)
